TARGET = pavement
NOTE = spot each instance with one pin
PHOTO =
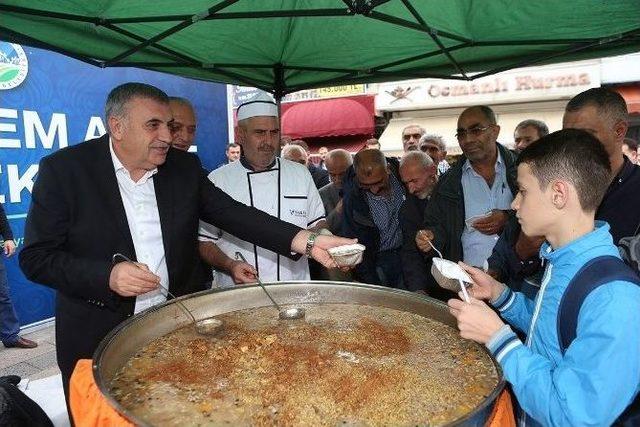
(41, 379)
(32, 363)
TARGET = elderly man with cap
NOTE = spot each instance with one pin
(279, 187)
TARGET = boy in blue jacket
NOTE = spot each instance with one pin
(562, 179)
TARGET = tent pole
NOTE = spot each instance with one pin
(278, 91)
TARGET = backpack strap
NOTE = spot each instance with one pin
(593, 274)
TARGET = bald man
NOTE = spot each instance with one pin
(319, 175)
(373, 195)
(419, 175)
(183, 128)
(294, 153)
(337, 162)
(472, 201)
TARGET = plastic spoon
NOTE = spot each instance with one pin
(435, 249)
(465, 294)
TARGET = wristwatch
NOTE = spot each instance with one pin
(311, 240)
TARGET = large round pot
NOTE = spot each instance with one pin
(130, 336)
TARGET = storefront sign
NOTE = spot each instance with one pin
(522, 85)
(242, 93)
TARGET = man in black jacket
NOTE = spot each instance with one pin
(603, 113)
(471, 203)
(373, 195)
(337, 162)
(129, 192)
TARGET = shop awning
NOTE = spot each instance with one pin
(353, 144)
(631, 95)
(329, 117)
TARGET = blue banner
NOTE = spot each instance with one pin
(49, 101)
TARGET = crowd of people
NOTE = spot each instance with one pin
(523, 222)
(552, 204)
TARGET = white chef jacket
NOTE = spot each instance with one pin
(286, 191)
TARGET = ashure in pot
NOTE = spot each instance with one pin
(363, 355)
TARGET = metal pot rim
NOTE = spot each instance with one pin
(130, 322)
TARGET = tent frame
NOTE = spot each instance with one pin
(279, 86)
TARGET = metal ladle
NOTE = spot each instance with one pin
(284, 314)
(206, 326)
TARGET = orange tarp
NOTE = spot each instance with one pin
(88, 405)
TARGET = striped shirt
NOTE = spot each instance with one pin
(385, 212)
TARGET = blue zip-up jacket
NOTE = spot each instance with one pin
(599, 375)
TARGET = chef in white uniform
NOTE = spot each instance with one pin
(276, 186)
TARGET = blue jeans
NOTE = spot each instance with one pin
(9, 326)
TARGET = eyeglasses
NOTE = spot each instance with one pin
(473, 131)
(408, 136)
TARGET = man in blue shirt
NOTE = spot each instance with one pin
(470, 205)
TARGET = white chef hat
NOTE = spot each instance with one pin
(260, 105)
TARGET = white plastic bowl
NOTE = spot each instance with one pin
(448, 273)
(347, 255)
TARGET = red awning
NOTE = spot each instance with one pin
(352, 115)
(631, 95)
(353, 143)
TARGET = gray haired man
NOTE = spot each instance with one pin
(436, 148)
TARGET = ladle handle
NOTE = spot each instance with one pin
(239, 256)
(126, 258)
